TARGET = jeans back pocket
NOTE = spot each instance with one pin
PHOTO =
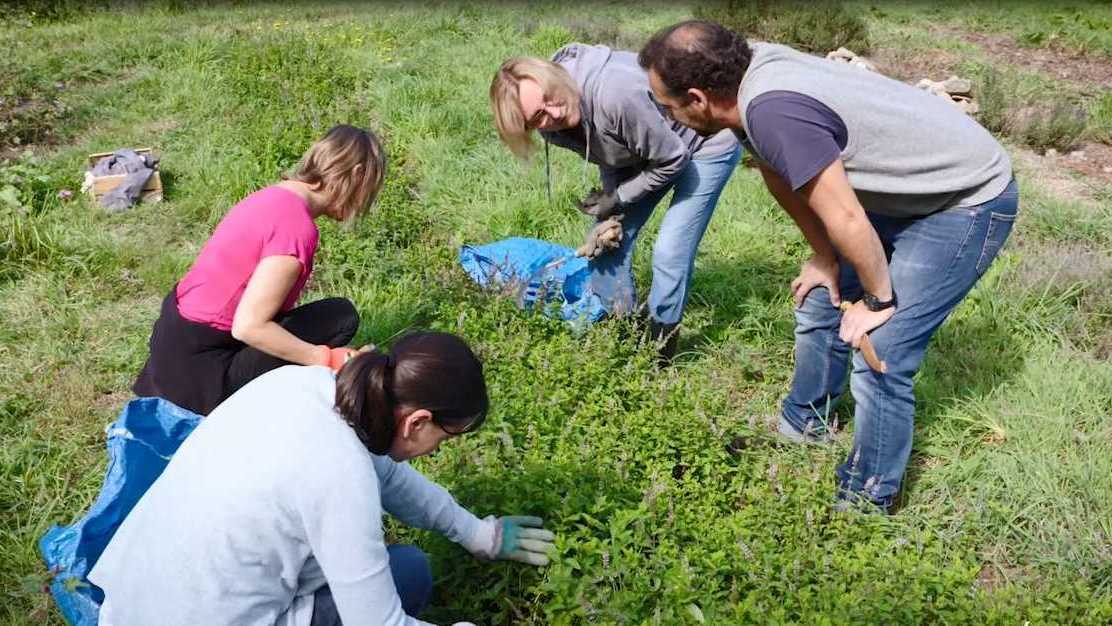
(999, 226)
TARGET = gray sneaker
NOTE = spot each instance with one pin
(787, 431)
(858, 505)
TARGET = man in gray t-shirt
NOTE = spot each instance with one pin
(903, 198)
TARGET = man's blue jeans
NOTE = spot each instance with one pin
(934, 261)
(412, 578)
(697, 189)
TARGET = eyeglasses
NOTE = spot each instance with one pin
(546, 114)
(470, 425)
(665, 110)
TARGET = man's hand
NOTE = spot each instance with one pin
(817, 272)
(832, 199)
(600, 204)
(858, 320)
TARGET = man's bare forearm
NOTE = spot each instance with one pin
(808, 223)
(831, 200)
(859, 246)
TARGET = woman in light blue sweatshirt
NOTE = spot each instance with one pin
(271, 511)
(596, 102)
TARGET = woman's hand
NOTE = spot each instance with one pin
(600, 204)
(523, 538)
(519, 538)
(337, 357)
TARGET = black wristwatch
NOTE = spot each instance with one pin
(874, 304)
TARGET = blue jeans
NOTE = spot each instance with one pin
(934, 261)
(697, 189)
(412, 577)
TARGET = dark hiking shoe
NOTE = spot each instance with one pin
(665, 337)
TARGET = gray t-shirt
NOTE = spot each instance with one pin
(270, 498)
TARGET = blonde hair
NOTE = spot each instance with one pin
(349, 165)
(556, 85)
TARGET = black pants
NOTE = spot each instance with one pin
(331, 322)
(197, 367)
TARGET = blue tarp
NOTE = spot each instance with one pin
(140, 444)
(533, 271)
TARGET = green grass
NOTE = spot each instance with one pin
(1005, 516)
(1074, 26)
(815, 27)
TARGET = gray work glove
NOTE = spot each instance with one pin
(605, 235)
(601, 204)
(524, 539)
(520, 538)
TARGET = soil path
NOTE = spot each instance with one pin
(1082, 70)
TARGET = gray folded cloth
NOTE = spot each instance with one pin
(138, 169)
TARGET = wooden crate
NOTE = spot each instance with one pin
(152, 191)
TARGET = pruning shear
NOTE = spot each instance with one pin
(867, 349)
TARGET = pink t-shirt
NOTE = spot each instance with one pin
(272, 221)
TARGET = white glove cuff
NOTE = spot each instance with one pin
(486, 540)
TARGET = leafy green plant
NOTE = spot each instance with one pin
(23, 183)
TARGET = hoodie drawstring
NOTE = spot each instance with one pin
(587, 158)
(547, 173)
(586, 161)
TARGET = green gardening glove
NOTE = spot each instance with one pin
(523, 538)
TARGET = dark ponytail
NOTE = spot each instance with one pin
(433, 371)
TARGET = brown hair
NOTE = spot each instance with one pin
(697, 54)
(427, 370)
(556, 85)
(349, 165)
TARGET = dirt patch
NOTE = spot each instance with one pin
(1052, 171)
(1103, 350)
(26, 122)
(1077, 69)
(1092, 160)
(911, 66)
(111, 402)
(988, 579)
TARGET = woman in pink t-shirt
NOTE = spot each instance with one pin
(232, 316)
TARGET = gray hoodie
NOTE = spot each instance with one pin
(624, 131)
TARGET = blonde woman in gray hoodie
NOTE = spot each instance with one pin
(597, 102)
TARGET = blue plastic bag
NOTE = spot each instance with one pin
(140, 444)
(536, 272)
